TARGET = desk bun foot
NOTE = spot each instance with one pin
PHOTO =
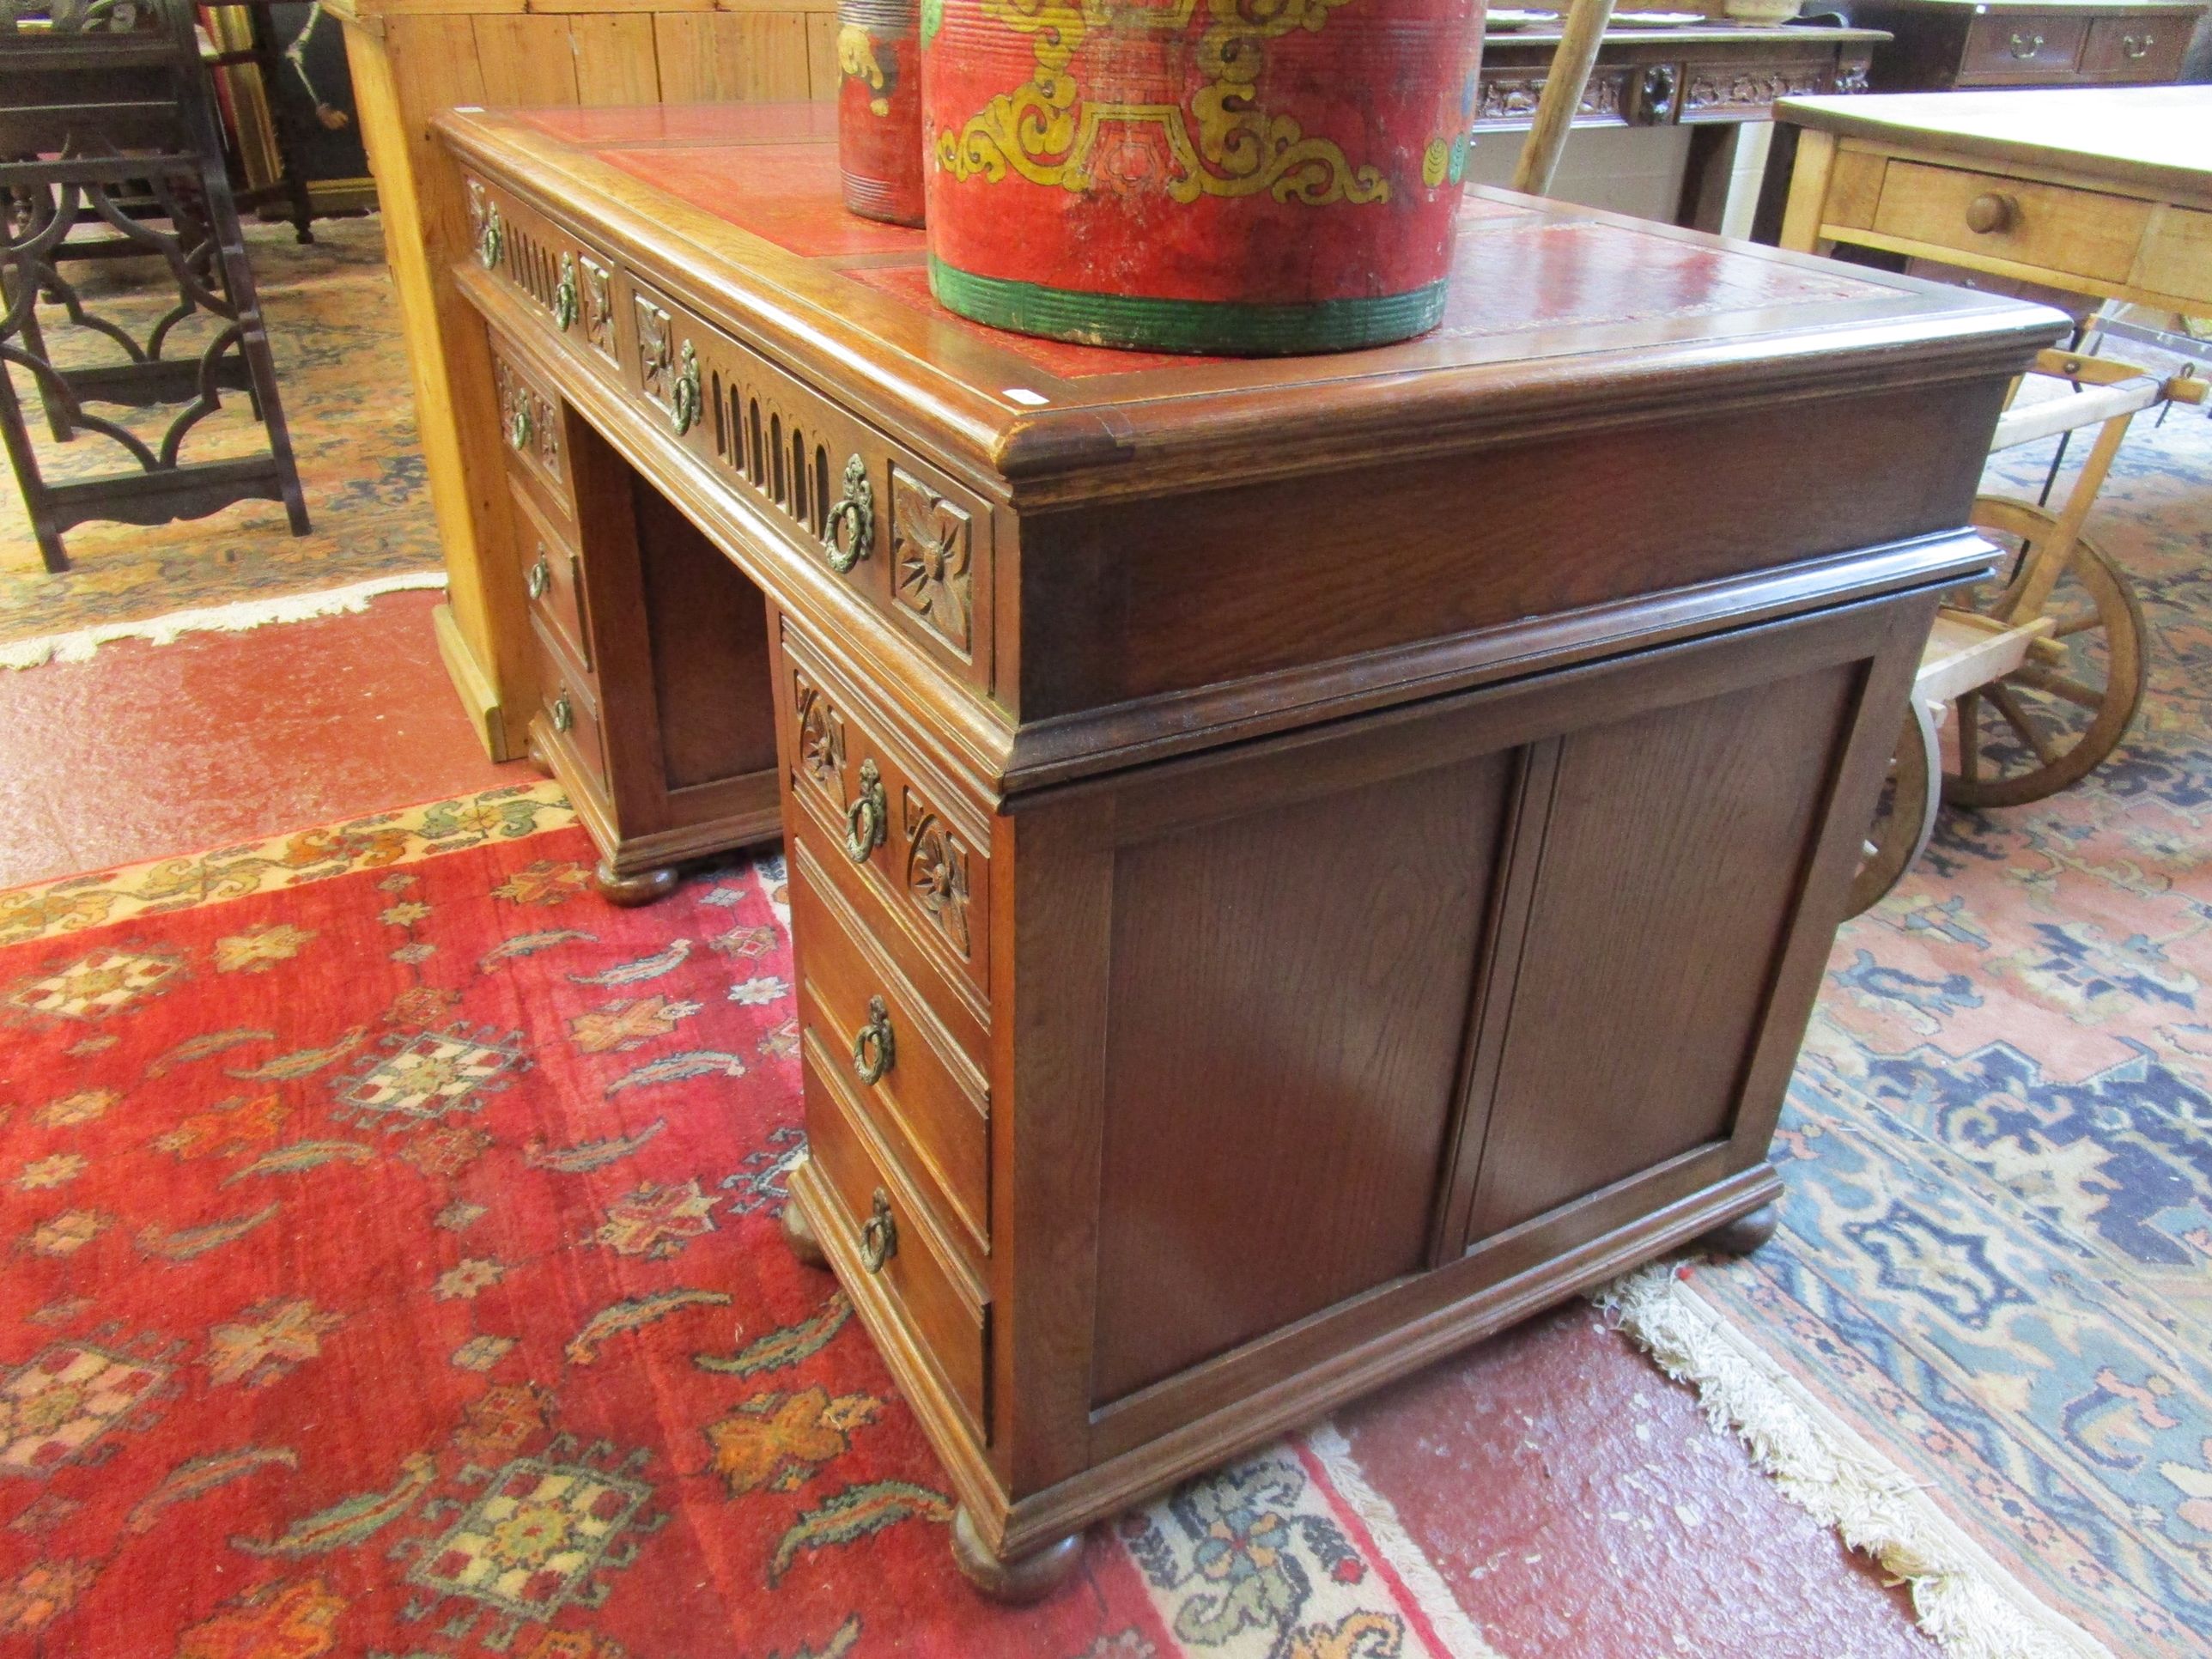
(1029, 1578)
(537, 754)
(799, 1236)
(640, 889)
(1743, 1234)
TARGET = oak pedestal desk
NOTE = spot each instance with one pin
(1294, 864)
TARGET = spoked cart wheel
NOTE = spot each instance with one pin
(2054, 719)
(1906, 815)
(2044, 723)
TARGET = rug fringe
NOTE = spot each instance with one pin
(1415, 1570)
(80, 645)
(1965, 1600)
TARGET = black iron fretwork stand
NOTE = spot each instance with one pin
(105, 116)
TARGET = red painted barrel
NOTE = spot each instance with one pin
(1230, 176)
(879, 149)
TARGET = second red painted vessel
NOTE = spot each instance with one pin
(1233, 176)
(879, 109)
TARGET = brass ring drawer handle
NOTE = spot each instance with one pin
(867, 817)
(2134, 46)
(564, 295)
(541, 575)
(564, 714)
(521, 428)
(858, 508)
(1991, 212)
(876, 1036)
(492, 240)
(686, 401)
(2024, 46)
(879, 1234)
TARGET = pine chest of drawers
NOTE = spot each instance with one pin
(1294, 864)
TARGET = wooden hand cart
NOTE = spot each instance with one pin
(2043, 670)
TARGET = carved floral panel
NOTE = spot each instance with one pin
(930, 555)
(655, 356)
(937, 872)
(598, 303)
(821, 738)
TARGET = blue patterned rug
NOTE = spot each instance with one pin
(1995, 1260)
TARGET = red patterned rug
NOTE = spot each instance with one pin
(392, 1270)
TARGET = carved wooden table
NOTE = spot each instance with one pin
(2095, 192)
(1294, 864)
(1711, 79)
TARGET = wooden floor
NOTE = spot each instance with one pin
(1570, 1496)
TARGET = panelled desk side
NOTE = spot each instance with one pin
(1397, 752)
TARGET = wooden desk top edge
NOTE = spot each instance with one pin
(1947, 121)
(1095, 438)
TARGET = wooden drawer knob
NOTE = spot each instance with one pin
(1991, 212)
(879, 1234)
(875, 1049)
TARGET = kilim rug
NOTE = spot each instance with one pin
(1995, 1258)
(393, 1270)
(334, 327)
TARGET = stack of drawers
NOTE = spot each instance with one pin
(889, 888)
(667, 748)
(545, 521)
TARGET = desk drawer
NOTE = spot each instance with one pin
(2146, 49)
(944, 1305)
(2010, 47)
(2073, 231)
(571, 694)
(904, 538)
(530, 429)
(553, 577)
(567, 282)
(925, 1097)
(906, 847)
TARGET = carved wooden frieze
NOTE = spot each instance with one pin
(597, 297)
(1714, 88)
(936, 871)
(1514, 97)
(931, 554)
(656, 356)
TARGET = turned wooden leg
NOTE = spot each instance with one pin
(642, 888)
(1743, 1234)
(1029, 1578)
(798, 1234)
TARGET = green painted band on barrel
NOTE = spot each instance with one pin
(1231, 328)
